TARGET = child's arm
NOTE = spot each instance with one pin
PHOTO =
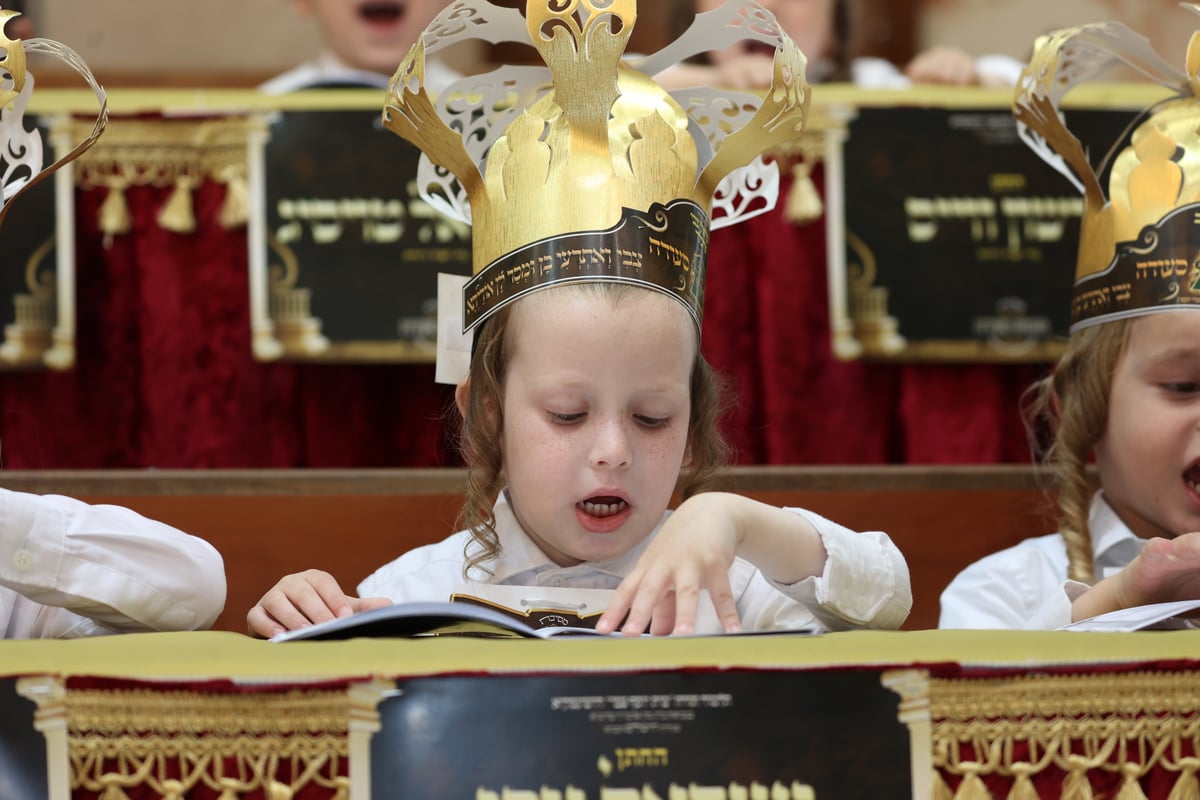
(304, 599)
(83, 569)
(694, 550)
(1165, 570)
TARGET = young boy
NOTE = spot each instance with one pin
(364, 40)
(586, 401)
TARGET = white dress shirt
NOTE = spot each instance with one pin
(70, 569)
(327, 70)
(865, 582)
(1026, 586)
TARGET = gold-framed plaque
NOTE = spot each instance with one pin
(958, 243)
(350, 253)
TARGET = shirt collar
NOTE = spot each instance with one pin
(1114, 545)
(328, 65)
(520, 557)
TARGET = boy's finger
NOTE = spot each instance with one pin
(614, 615)
(332, 599)
(664, 618)
(280, 607)
(687, 598)
(259, 623)
(650, 591)
(721, 594)
(368, 603)
(321, 606)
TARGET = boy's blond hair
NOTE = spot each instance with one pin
(1073, 403)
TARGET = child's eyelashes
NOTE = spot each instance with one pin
(645, 420)
(1181, 387)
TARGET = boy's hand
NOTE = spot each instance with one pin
(304, 599)
(693, 551)
(945, 65)
(1165, 570)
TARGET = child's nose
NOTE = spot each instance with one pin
(611, 448)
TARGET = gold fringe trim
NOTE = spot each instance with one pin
(179, 153)
(1023, 788)
(1015, 728)
(177, 215)
(269, 744)
(803, 202)
(114, 211)
(972, 788)
(235, 211)
(941, 790)
(1186, 787)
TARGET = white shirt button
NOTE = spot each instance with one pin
(22, 559)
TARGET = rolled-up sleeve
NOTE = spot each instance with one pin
(865, 583)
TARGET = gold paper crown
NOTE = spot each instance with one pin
(1139, 246)
(20, 149)
(588, 170)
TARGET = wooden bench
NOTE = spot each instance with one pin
(269, 523)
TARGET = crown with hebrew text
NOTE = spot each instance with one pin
(21, 153)
(1139, 249)
(586, 169)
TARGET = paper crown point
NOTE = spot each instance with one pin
(1140, 240)
(587, 169)
(22, 147)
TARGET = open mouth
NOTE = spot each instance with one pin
(603, 506)
(382, 11)
(1191, 477)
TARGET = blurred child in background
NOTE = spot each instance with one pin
(363, 40)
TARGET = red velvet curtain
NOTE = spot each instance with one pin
(766, 327)
(165, 377)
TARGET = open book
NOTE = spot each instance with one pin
(434, 619)
(1156, 616)
(499, 611)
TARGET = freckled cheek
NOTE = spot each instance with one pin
(663, 448)
(540, 436)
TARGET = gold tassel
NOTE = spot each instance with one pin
(278, 791)
(177, 215)
(803, 202)
(235, 211)
(114, 211)
(972, 788)
(112, 790)
(1023, 786)
(1076, 785)
(229, 789)
(341, 788)
(1130, 788)
(941, 790)
(172, 789)
(1186, 786)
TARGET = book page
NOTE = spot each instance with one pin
(1157, 616)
